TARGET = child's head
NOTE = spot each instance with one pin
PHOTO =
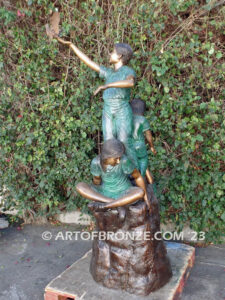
(124, 51)
(111, 152)
(138, 106)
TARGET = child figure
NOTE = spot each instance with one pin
(140, 132)
(117, 117)
(112, 187)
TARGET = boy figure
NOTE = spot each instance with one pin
(112, 186)
(142, 131)
(117, 118)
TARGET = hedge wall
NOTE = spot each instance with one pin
(50, 122)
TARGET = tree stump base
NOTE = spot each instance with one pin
(137, 265)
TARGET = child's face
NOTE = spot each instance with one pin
(114, 57)
(112, 161)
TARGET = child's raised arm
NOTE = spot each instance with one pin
(53, 31)
(83, 57)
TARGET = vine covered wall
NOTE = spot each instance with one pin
(50, 122)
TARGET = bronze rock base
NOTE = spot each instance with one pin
(138, 266)
(76, 282)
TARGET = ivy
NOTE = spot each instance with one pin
(50, 122)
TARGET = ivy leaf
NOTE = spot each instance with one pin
(199, 138)
(223, 216)
(219, 55)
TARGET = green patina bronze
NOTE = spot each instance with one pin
(117, 117)
(141, 125)
(115, 181)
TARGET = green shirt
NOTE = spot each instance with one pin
(141, 125)
(116, 98)
(115, 181)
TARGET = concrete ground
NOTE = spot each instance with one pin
(34, 255)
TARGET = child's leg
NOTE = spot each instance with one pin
(143, 165)
(133, 194)
(88, 192)
(149, 177)
(107, 126)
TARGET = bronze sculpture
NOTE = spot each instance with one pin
(138, 265)
(110, 170)
(117, 117)
(140, 133)
(122, 199)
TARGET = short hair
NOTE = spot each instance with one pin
(111, 148)
(125, 50)
(138, 106)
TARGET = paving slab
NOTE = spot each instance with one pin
(77, 283)
(207, 280)
(28, 263)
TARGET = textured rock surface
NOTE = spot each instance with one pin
(138, 266)
(76, 282)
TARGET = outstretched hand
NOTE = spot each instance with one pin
(51, 33)
(101, 87)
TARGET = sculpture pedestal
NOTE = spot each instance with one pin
(137, 263)
(76, 282)
(135, 266)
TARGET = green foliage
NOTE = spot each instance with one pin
(50, 122)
